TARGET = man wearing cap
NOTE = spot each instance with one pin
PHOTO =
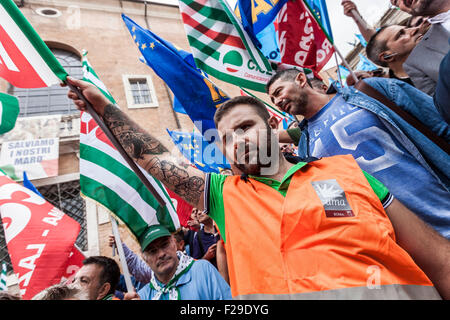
(175, 275)
(414, 169)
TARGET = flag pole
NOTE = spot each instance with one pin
(123, 261)
(345, 63)
(117, 145)
(338, 70)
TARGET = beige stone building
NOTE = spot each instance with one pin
(68, 27)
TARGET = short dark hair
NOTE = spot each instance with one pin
(179, 235)
(287, 74)
(257, 105)
(375, 47)
(110, 270)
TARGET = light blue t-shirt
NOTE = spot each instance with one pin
(201, 282)
(341, 128)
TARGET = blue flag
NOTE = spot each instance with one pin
(269, 42)
(27, 184)
(344, 72)
(205, 156)
(365, 64)
(319, 9)
(257, 15)
(200, 98)
(361, 39)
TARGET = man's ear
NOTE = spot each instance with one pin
(300, 79)
(386, 57)
(104, 290)
(273, 122)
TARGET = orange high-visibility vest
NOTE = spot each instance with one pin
(293, 248)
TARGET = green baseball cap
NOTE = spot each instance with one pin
(152, 233)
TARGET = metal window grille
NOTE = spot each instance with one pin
(66, 197)
(50, 100)
(140, 91)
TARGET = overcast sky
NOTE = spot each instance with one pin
(343, 27)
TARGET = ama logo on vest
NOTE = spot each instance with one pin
(333, 198)
(232, 61)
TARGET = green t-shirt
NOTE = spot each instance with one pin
(295, 134)
(217, 208)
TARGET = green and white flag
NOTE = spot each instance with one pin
(90, 76)
(25, 60)
(9, 110)
(220, 45)
(3, 286)
(106, 178)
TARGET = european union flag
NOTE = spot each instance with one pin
(205, 156)
(365, 64)
(197, 95)
(319, 9)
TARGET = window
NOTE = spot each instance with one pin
(139, 91)
(51, 100)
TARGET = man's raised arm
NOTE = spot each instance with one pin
(144, 149)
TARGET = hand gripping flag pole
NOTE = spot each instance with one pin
(117, 145)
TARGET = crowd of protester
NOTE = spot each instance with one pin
(412, 178)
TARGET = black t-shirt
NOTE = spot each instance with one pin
(393, 76)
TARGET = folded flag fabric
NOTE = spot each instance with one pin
(361, 39)
(302, 39)
(90, 76)
(26, 61)
(201, 97)
(365, 64)
(220, 45)
(319, 9)
(3, 278)
(205, 156)
(257, 15)
(9, 110)
(38, 235)
(27, 184)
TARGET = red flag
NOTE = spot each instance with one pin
(39, 237)
(183, 208)
(74, 263)
(302, 41)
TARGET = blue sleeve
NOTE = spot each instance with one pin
(138, 267)
(414, 101)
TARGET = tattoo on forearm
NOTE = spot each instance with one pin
(138, 143)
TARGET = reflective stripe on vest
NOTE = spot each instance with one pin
(386, 292)
(316, 239)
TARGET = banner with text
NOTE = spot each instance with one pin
(39, 158)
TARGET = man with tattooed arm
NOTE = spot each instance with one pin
(316, 228)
